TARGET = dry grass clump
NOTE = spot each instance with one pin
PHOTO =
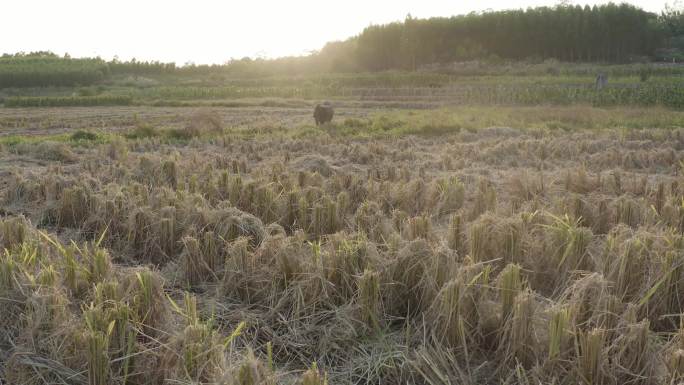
(23, 190)
(592, 366)
(144, 290)
(157, 172)
(46, 347)
(631, 348)
(455, 312)
(369, 300)
(491, 238)
(371, 221)
(628, 211)
(419, 227)
(251, 371)
(312, 164)
(519, 336)
(323, 217)
(510, 285)
(204, 120)
(525, 187)
(196, 353)
(13, 232)
(560, 334)
(313, 376)
(230, 224)
(241, 267)
(580, 182)
(48, 151)
(74, 206)
(197, 124)
(201, 257)
(625, 264)
(485, 199)
(675, 365)
(142, 131)
(570, 245)
(674, 355)
(591, 303)
(417, 274)
(456, 233)
(451, 195)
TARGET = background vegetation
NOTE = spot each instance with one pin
(525, 57)
(607, 33)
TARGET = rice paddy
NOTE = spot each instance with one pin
(243, 245)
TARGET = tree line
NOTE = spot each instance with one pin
(608, 33)
(40, 69)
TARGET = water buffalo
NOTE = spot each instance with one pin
(323, 113)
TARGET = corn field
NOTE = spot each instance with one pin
(68, 101)
(652, 95)
(524, 95)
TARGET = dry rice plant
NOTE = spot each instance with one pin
(370, 300)
(591, 357)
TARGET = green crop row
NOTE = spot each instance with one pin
(68, 101)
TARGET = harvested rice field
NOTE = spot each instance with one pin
(244, 245)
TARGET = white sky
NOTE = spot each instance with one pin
(213, 31)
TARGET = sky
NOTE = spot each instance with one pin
(214, 31)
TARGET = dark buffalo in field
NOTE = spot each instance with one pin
(323, 113)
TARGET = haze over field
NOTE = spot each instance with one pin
(495, 197)
(211, 31)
